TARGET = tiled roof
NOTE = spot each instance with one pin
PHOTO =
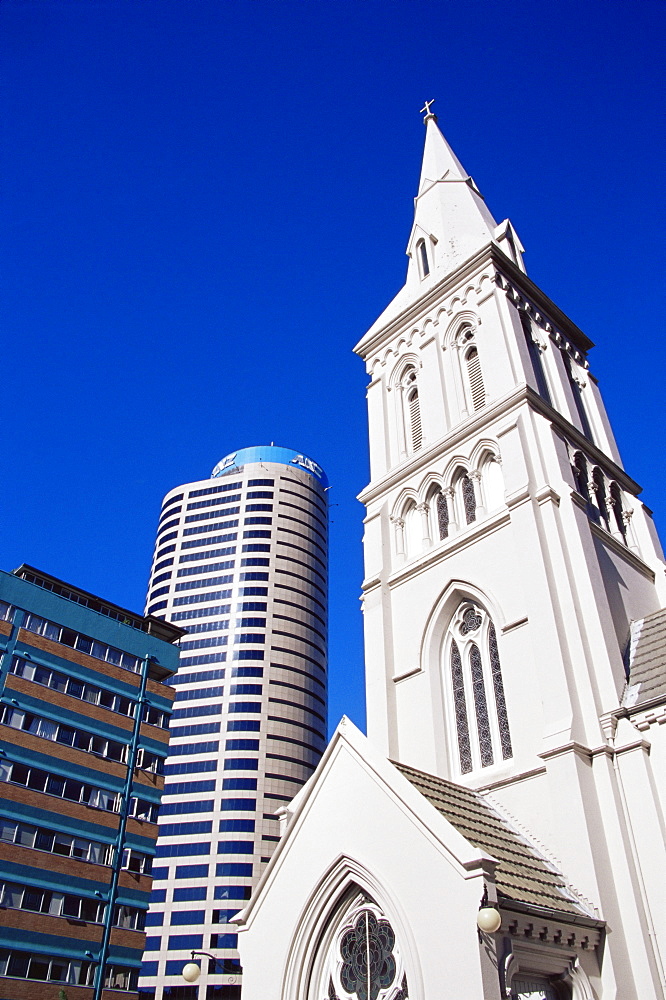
(523, 874)
(647, 661)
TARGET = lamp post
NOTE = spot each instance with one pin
(192, 971)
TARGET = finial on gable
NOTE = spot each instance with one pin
(429, 115)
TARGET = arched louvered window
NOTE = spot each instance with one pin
(618, 509)
(414, 410)
(475, 376)
(424, 263)
(600, 496)
(468, 498)
(442, 511)
(477, 690)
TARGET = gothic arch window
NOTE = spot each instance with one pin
(412, 529)
(492, 482)
(477, 389)
(468, 498)
(535, 357)
(409, 412)
(581, 475)
(599, 485)
(476, 686)
(576, 383)
(364, 960)
(617, 507)
(422, 253)
(441, 509)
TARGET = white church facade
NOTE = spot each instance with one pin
(515, 762)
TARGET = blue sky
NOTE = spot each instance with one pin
(207, 203)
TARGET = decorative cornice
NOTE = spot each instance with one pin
(506, 271)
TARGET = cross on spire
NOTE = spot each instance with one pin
(428, 113)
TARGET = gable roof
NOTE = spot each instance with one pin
(647, 661)
(523, 875)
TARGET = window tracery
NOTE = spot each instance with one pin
(442, 509)
(468, 498)
(477, 688)
(364, 961)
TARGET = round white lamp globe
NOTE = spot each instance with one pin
(191, 972)
(488, 920)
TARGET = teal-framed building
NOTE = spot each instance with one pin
(84, 711)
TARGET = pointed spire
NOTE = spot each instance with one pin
(450, 213)
(451, 222)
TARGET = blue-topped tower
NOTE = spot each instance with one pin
(241, 563)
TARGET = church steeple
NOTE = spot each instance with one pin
(452, 223)
(450, 215)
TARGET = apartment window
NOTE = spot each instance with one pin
(24, 965)
(241, 764)
(241, 745)
(191, 767)
(238, 805)
(67, 684)
(215, 540)
(189, 893)
(76, 640)
(228, 870)
(64, 844)
(230, 550)
(233, 892)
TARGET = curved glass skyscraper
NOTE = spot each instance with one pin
(241, 563)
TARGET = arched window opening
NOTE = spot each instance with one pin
(412, 530)
(475, 376)
(600, 496)
(415, 418)
(423, 258)
(535, 358)
(363, 957)
(475, 671)
(468, 498)
(500, 702)
(618, 510)
(481, 707)
(460, 707)
(493, 483)
(442, 511)
(586, 427)
(581, 475)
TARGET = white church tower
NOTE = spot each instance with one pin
(500, 832)
(506, 549)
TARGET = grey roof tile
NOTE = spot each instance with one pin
(647, 661)
(523, 874)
